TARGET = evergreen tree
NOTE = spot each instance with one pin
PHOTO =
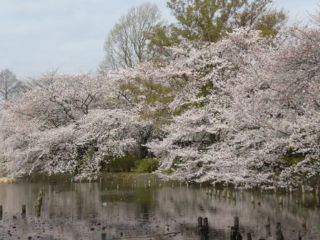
(209, 20)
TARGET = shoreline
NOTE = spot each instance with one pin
(132, 176)
(7, 180)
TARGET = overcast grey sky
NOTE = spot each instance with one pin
(68, 35)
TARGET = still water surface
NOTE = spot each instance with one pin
(142, 207)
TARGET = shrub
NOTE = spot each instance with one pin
(124, 164)
(147, 165)
(168, 171)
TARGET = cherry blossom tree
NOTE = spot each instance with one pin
(62, 126)
(243, 111)
(200, 127)
(255, 125)
(276, 110)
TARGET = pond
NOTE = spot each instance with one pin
(142, 207)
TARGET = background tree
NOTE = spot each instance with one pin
(10, 86)
(209, 20)
(269, 21)
(126, 43)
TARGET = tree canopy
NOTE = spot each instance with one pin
(237, 110)
(126, 43)
(10, 86)
(210, 20)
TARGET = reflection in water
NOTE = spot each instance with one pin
(135, 207)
